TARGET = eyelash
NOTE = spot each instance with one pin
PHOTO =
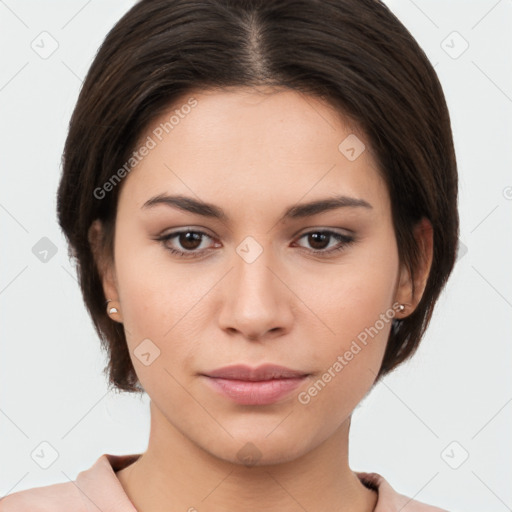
(344, 239)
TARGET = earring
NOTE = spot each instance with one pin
(401, 307)
(112, 309)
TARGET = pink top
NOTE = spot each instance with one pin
(98, 488)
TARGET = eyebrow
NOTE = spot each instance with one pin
(298, 211)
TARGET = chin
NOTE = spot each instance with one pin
(259, 450)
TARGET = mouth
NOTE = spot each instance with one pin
(263, 385)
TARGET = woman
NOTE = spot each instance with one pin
(261, 199)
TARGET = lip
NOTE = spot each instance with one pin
(263, 385)
(262, 372)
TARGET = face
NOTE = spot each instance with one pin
(312, 290)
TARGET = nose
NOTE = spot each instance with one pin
(257, 303)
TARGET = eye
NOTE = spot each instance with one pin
(190, 240)
(321, 239)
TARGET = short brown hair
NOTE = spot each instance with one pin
(354, 54)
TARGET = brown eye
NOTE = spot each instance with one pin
(186, 242)
(189, 240)
(320, 240)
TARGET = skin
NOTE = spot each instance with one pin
(253, 152)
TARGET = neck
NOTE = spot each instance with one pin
(174, 474)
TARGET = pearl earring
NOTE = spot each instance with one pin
(401, 307)
(112, 309)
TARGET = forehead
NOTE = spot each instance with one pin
(257, 145)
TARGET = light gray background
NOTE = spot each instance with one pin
(456, 389)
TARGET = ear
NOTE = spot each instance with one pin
(424, 235)
(104, 263)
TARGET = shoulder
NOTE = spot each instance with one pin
(60, 497)
(95, 488)
(390, 500)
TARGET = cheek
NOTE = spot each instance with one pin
(354, 303)
(145, 291)
(349, 360)
(147, 288)
(161, 302)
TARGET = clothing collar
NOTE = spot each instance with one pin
(101, 489)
